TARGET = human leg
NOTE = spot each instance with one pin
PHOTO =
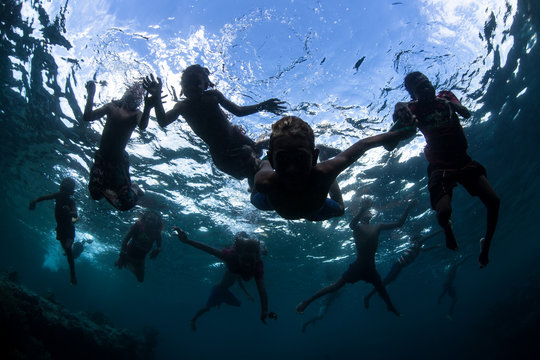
(492, 202)
(392, 275)
(324, 291)
(380, 288)
(443, 208)
(197, 315)
(67, 246)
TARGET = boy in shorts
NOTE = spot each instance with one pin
(366, 238)
(243, 262)
(292, 183)
(446, 151)
(65, 213)
(139, 241)
(232, 151)
(109, 176)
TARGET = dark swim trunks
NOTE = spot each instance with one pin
(358, 271)
(329, 210)
(109, 178)
(442, 181)
(220, 295)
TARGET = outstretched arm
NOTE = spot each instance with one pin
(145, 116)
(32, 204)
(182, 236)
(263, 176)
(122, 258)
(89, 114)
(347, 157)
(157, 250)
(264, 299)
(400, 222)
(271, 105)
(153, 86)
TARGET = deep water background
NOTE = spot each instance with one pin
(46, 56)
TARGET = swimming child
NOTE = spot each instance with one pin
(449, 286)
(139, 241)
(446, 151)
(366, 238)
(243, 262)
(65, 213)
(292, 183)
(232, 151)
(416, 245)
(109, 176)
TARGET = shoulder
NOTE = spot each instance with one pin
(214, 92)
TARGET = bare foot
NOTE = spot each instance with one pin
(394, 310)
(483, 258)
(301, 307)
(73, 280)
(366, 302)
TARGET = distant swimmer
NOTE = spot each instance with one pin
(232, 151)
(109, 176)
(446, 151)
(140, 241)
(78, 247)
(65, 213)
(416, 245)
(243, 262)
(366, 237)
(449, 287)
(292, 182)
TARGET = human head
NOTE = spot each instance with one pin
(419, 86)
(291, 150)
(67, 186)
(132, 97)
(247, 249)
(195, 80)
(151, 221)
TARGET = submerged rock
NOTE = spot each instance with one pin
(33, 327)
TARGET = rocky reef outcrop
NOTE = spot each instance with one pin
(33, 327)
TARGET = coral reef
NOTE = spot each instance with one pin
(36, 328)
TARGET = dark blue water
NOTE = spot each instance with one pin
(497, 314)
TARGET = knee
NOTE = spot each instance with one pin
(494, 203)
(443, 214)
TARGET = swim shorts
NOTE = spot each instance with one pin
(442, 181)
(358, 271)
(220, 295)
(110, 179)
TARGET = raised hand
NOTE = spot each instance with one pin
(182, 236)
(274, 106)
(90, 87)
(153, 85)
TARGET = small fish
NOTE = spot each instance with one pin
(359, 62)
(397, 3)
(322, 61)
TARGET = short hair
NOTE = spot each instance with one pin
(192, 70)
(133, 96)
(67, 185)
(410, 78)
(151, 220)
(243, 243)
(292, 126)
